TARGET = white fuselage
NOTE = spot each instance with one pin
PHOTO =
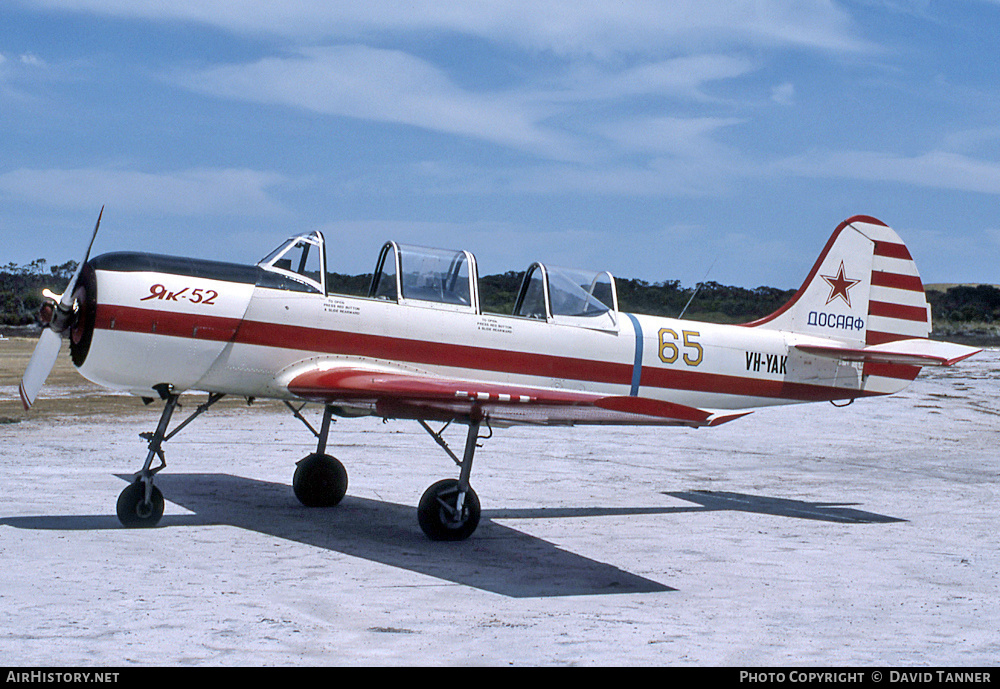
(207, 330)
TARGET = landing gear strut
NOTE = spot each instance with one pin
(320, 480)
(141, 503)
(449, 510)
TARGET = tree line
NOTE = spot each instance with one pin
(21, 296)
(21, 288)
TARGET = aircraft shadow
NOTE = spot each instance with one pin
(497, 558)
(714, 501)
(841, 513)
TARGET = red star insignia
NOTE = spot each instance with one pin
(839, 284)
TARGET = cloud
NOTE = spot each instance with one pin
(783, 94)
(592, 27)
(383, 86)
(682, 137)
(183, 193)
(935, 169)
(392, 86)
(683, 78)
(16, 71)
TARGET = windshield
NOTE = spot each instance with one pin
(300, 258)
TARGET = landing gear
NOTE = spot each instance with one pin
(449, 510)
(141, 503)
(446, 513)
(320, 480)
(135, 510)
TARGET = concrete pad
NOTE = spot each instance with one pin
(802, 535)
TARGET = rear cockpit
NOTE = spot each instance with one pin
(448, 279)
(568, 297)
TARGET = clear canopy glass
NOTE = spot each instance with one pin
(411, 274)
(568, 296)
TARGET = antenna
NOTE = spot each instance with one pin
(697, 288)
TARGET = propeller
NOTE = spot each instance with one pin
(59, 320)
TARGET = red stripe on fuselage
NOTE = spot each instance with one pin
(292, 337)
(696, 381)
(171, 323)
(432, 353)
(898, 371)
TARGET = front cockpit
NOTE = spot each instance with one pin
(299, 263)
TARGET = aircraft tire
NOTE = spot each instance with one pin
(438, 522)
(133, 513)
(320, 481)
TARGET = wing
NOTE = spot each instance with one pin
(399, 393)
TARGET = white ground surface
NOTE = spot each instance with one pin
(802, 535)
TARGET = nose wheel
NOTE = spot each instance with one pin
(135, 510)
(141, 503)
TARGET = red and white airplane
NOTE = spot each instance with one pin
(420, 347)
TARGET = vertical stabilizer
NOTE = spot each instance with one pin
(863, 290)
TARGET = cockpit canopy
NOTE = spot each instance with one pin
(421, 276)
(449, 279)
(569, 296)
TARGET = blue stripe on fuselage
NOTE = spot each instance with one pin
(637, 364)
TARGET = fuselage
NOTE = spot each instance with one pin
(242, 330)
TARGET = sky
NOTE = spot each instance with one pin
(676, 140)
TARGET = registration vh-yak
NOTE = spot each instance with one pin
(420, 347)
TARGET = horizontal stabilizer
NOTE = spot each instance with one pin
(913, 352)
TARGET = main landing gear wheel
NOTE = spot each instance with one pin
(320, 481)
(449, 510)
(446, 513)
(134, 511)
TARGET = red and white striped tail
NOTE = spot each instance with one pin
(897, 305)
(865, 299)
(863, 290)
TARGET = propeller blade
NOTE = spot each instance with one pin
(39, 367)
(47, 350)
(66, 302)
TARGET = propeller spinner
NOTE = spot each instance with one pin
(56, 321)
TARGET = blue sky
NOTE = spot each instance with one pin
(659, 140)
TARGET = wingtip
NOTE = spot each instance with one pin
(720, 419)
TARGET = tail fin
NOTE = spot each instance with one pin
(864, 297)
(864, 290)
